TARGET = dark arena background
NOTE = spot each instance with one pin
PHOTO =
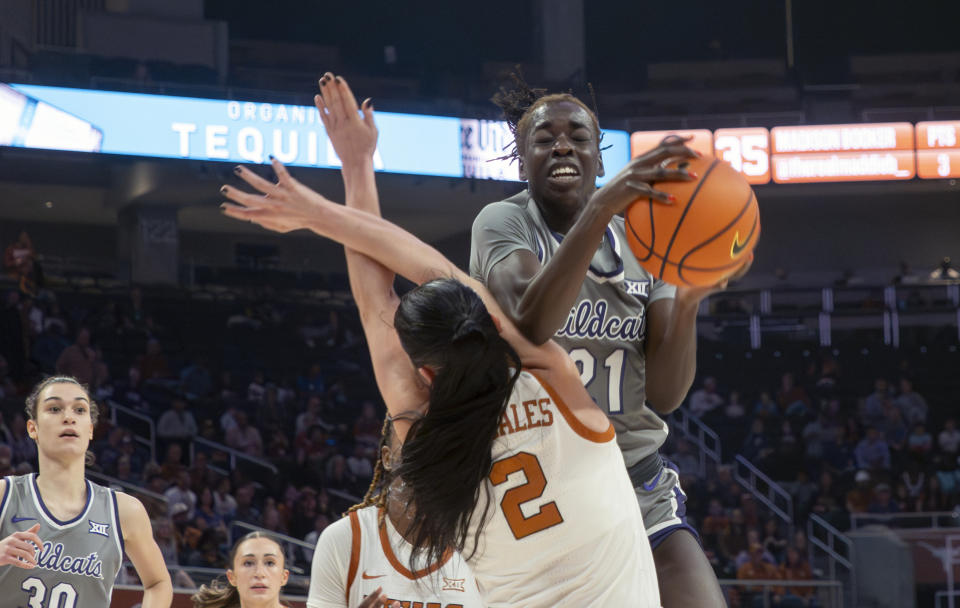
(230, 363)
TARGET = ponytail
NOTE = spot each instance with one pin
(446, 458)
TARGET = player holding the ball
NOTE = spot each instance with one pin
(556, 257)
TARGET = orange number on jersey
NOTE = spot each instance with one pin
(549, 514)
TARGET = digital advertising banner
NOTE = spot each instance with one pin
(249, 132)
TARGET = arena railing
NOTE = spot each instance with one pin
(951, 561)
(921, 519)
(130, 488)
(765, 489)
(150, 441)
(829, 593)
(837, 548)
(234, 455)
(703, 436)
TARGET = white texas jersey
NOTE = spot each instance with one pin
(356, 555)
(563, 527)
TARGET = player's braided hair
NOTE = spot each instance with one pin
(518, 102)
(377, 492)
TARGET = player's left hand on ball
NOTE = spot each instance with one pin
(282, 207)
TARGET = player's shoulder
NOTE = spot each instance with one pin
(339, 534)
(512, 207)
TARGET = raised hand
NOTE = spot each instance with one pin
(282, 207)
(354, 138)
(16, 550)
(635, 180)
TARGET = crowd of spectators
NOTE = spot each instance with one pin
(266, 415)
(251, 440)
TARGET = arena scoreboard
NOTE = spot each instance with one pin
(827, 153)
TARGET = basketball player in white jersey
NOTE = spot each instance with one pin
(64, 537)
(366, 551)
(506, 456)
(556, 258)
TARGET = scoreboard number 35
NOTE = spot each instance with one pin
(747, 151)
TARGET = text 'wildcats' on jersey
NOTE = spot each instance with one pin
(605, 330)
(80, 558)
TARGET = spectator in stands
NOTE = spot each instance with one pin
(773, 541)
(180, 493)
(245, 437)
(359, 463)
(949, 438)
(872, 452)
(311, 417)
(320, 523)
(920, 442)
(163, 532)
(715, 523)
(223, 501)
(367, 427)
(759, 569)
(80, 361)
(134, 313)
(912, 405)
(257, 387)
(796, 568)
(790, 393)
(20, 262)
(24, 448)
(339, 476)
(705, 399)
(858, 498)
(734, 410)
(757, 447)
(206, 510)
(882, 500)
(246, 511)
(124, 470)
(894, 428)
(172, 462)
(177, 423)
(872, 414)
(13, 335)
(7, 387)
(196, 382)
(766, 408)
(684, 458)
(6, 461)
(110, 452)
(153, 363)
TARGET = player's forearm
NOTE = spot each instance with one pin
(387, 243)
(670, 370)
(158, 595)
(547, 299)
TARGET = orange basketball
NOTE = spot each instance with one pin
(703, 237)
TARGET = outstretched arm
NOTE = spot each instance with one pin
(355, 140)
(293, 206)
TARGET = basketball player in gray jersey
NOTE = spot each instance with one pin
(556, 259)
(64, 537)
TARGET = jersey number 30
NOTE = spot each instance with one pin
(62, 595)
(520, 525)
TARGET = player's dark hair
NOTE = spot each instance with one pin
(445, 326)
(518, 102)
(31, 403)
(219, 593)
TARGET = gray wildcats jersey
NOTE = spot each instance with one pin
(79, 559)
(606, 328)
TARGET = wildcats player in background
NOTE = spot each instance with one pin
(556, 258)
(63, 536)
(507, 458)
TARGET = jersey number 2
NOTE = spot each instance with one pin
(62, 595)
(520, 525)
